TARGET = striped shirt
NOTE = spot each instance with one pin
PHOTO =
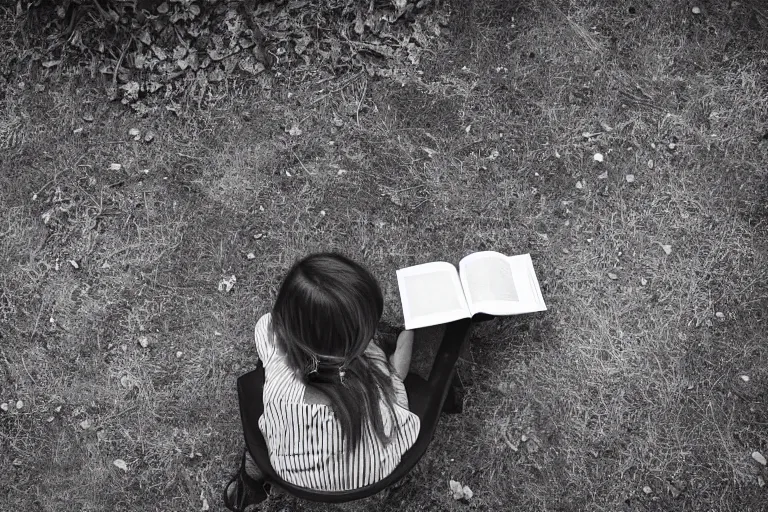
(305, 441)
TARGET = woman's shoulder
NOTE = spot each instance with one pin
(265, 343)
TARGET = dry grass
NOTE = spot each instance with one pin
(624, 383)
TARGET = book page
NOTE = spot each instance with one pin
(431, 294)
(499, 285)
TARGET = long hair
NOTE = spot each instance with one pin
(326, 313)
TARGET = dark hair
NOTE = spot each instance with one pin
(325, 315)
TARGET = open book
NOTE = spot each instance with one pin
(486, 282)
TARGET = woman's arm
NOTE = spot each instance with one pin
(401, 359)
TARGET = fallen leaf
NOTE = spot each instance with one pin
(603, 176)
(613, 276)
(145, 38)
(606, 126)
(51, 63)
(760, 481)
(16, 462)
(4, 406)
(759, 458)
(77, 131)
(88, 118)
(258, 236)
(524, 438)
(598, 157)
(58, 409)
(125, 381)
(120, 463)
(163, 8)
(468, 128)
(630, 178)
(667, 248)
(227, 283)
(49, 419)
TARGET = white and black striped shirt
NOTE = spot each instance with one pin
(305, 441)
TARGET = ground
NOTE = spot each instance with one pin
(642, 387)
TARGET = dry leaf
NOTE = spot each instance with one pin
(643, 281)
(667, 248)
(603, 176)
(120, 463)
(88, 118)
(460, 492)
(227, 283)
(251, 256)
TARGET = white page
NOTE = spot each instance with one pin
(500, 285)
(431, 294)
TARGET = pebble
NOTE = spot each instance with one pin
(179, 354)
(630, 178)
(19, 404)
(144, 341)
(4, 406)
(251, 256)
(759, 458)
(598, 157)
(745, 378)
(696, 10)
(647, 490)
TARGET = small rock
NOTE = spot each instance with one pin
(598, 157)
(674, 491)
(85, 424)
(258, 236)
(760, 481)
(341, 172)
(125, 381)
(603, 176)
(647, 490)
(251, 256)
(653, 145)
(630, 178)
(720, 315)
(49, 419)
(57, 409)
(696, 10)
(322, 213)
(77, 131)
(650, 164)
(612, 276)
(135, 133)
(745, 378)
(667, 249)
(74, 264)
(672, 145)
(216, 333)
(88, 118)
(115, 167)
(19, 404)
(524, 438)
(179, 354)
(4, 406)
(143, 341)
(16, 462)
(120, 463)
(643, 281)
(759, 458)
(579, 185)
(149, 137)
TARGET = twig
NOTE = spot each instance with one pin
(120, 60)
(302, 163)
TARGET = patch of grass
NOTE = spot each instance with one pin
(623, 383)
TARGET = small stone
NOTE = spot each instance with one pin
(612, 276)
(650, 164)
(579, 185)
(16, 462)
(115, 167)
(667, 249)
(4, 406)
(759, 458)
(630, 178)
(120, 463)
(696, 10)
(74, 264)
(760, 481)
(125, 381)
(322, 213)
(57, 409)
(77, 131)
(216, 333)
(653, 145)
(672, 145)
(643, 281)
(85, 424)
(149, 137)
(49, 419)
(647, 490)
(19, 404)
(341, 172)
(258, 236)
(251, 256)
(745, 378)
(134, 132)
(88, 118)
(603, 176)
(524, 438)
(720, 315)
(179, 353)
(144, 341)
(598, 157)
